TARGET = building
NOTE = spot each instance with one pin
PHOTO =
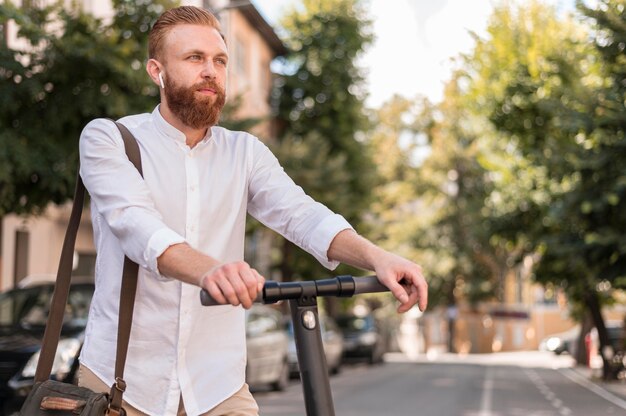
(32, 245)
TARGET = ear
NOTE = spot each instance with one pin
(154, 68)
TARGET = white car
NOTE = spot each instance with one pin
(561, 342)
(267, 343)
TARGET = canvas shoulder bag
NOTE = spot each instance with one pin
(50, 397)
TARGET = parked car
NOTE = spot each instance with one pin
(267, 343)
(562, 342)
(332, 341)
(362, 338)
(23, 316)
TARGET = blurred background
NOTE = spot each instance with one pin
(485, 140)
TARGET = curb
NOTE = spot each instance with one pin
(617, 387)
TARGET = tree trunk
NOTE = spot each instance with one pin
(593, 303)
(581, 347)
(451, 315)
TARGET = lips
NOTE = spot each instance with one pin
(208, 88)
(207, 91)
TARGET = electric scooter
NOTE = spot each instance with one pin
(302, 297)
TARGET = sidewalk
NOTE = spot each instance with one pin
(617, 387)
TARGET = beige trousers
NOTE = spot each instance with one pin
(239, 404)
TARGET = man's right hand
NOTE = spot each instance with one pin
(234, 283)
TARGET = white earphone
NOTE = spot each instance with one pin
(161, 79)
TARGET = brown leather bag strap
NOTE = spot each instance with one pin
(61, 291)
(127, 293)
(61, 288)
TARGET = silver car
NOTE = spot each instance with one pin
(267, 343)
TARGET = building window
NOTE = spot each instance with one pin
(22, 243)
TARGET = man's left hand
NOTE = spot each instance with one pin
(404, 279)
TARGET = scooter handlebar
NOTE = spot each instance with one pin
(341, 286)
(368, 284)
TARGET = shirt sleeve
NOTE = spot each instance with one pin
(120, 195)
(276, 201)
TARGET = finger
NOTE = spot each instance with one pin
(413, 298)
(250, 282)
(396, 289)
(215, 292)
(227, 289)
(423, 295)
(419, 282)
(236, 279)
(260, 281)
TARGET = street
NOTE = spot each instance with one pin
(512, 384)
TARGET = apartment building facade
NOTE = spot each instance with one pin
(31, 245)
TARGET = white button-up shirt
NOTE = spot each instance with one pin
(196, 195)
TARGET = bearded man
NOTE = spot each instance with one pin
(184, 224)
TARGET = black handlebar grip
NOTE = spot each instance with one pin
(368, 284)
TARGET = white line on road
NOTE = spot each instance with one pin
(547, 392)
(487, 397)
(578, 379)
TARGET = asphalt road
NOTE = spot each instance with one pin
(518, 384)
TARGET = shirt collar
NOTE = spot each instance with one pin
(170, 131)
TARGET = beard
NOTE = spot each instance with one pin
(195, 111)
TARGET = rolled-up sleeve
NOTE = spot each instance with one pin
(121, 196)
(276, 201)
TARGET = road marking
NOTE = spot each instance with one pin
(487, 397)
(547, 392)
(580, 380)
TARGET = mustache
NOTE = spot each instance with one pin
(209, 84)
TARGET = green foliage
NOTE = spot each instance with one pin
(67, 68)
(397, 139)
(322, 91)
(311, 165)
(462, 259)
(319, 103)
(531, 132)
(567, 122)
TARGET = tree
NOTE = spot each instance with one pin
(398, 140)
(398, 143)
(67, 68)
(558, 105)
(319, 103)
(70, 67)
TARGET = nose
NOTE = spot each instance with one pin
(208, 69)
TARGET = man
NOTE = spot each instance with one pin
(184, 225)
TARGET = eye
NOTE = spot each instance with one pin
(194, 57)
(222, 61)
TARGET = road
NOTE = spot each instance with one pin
(515, 384)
